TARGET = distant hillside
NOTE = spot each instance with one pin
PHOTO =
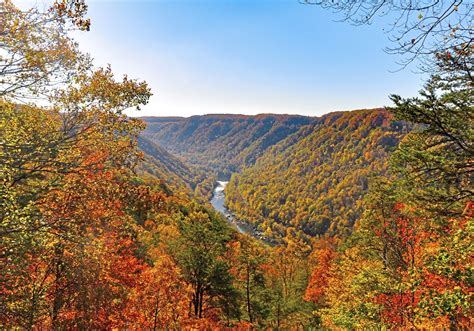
(173, 172)
(290, 173)
(222, 143)
(314, 180)
(161, 164)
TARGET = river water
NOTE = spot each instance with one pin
(217, 201)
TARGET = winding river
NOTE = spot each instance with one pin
(217, 201)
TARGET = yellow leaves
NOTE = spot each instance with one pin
(64, 169)
(314, 185)
(38, 53)
(345, 292)
(74, 10)
(99, 90)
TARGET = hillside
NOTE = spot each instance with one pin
(289, 172)
(359, 220)
(222, 143)
(314, 180)
(164, 166)
(173, 172)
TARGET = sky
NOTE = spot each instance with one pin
(245, 56)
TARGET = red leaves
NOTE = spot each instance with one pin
(469, 210)
(319, 277)
(398, 307)
(398, 207)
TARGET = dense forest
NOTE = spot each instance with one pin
(105, 221)
(222, 143)
(310, 182)
(314, 181)
(160, 164)
(91, 236)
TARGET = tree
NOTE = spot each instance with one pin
(287, 274)
(437, 158)
(37, 54)
(83, 119)
(64, 164)
(390, 272)
(420, 29)
(160, 298)
(370, 283)
(200, 252)
(248, 258)
(448, 274)
(319, 276)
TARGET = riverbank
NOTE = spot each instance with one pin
(218, 202)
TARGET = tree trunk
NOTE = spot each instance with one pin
(58, 300)
(155, 315)
(201, 296)
(196, 301)
(249, 308)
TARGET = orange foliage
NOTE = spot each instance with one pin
(160, 298)
(320, 274)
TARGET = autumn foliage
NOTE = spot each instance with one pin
(95, 235)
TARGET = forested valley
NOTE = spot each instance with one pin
(106, 221)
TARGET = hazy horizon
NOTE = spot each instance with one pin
(139, 115)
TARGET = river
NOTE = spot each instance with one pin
(217, 201)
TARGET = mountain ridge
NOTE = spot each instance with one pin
(222, 143)
(313, 182)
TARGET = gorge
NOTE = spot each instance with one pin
(289, 175)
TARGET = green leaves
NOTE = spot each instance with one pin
(437, 156)
(200, 252)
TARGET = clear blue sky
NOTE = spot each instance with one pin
(245, 56)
